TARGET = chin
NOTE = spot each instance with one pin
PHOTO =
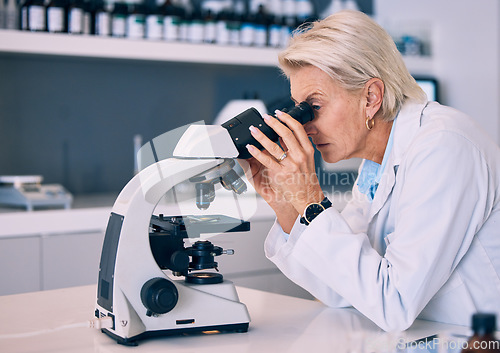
(328, 158)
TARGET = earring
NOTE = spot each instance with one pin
(369, 123)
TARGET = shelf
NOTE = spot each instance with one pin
(19, 42)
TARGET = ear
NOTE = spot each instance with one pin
(374, 93)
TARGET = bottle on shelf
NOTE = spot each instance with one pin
(288, 25)
(23, 14)
(56, 16)
(483, 339)
(235, 21)
(275, 23)
(119, 16)
(209, 26)
(136, 22)
(88, 9)
(222, 27)
(11, 19)
(154, 23)
(195, 26)
(247, 30)
(2, 14)
(76, 17)
(172, 19)
(185, 19)
(101, 20)
(261, 21)
(35, 16)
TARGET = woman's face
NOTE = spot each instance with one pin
(338, 129)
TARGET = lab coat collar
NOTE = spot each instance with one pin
(405, 129)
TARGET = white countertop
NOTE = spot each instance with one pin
(279, 324)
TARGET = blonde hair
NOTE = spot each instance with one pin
(352, 49)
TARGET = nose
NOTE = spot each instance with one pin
(310, 128)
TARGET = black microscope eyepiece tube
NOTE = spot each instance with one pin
(238, 127)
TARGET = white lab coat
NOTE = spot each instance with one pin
(428, 245)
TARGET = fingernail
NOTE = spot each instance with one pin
(252, 129)
(266, 117)
(250, 148)
(278, 112)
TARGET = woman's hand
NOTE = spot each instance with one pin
(287, 182)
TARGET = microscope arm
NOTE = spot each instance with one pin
(126, 254)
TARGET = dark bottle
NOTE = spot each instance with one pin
(261, 28)
(209, 26)
(23, 14)
(483, 339)
(119, 19)
(136, 22)
(36, 17)
(154, 23)
(222, 28)
(88, 13)
(235, 19)
(195, 27)
(76, 16)
(248, 28)
(101, 20)
(172, 20)
(56, 16)
(274, 33)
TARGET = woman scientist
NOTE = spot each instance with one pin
(421, 236)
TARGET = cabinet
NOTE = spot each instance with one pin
(43, 250)
(20, 265)
(70, 259)
(49, 261)
(50, 249)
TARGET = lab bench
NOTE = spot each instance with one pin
(278, 324)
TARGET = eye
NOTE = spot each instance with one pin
(316, 107)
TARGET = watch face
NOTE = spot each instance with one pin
(313, 210)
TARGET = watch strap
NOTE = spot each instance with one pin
(325, 203)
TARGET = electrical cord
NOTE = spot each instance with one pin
(97, 323)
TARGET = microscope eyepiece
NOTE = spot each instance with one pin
(240, 134)
(302, 112)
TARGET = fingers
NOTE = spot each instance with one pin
(264, 158)
(275, 152)
(293, 133)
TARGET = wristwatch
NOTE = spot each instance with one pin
(313, 210)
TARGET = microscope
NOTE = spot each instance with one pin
(149, 282)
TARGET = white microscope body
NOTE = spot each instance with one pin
(142, 299)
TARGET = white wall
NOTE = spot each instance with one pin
(465, 48)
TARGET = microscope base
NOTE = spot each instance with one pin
(133, 341)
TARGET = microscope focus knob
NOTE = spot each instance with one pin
(159, 296)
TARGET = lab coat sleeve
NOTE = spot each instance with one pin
(439, 208)
(278, 244)
(355, 213)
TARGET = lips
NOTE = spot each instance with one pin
(319, 145)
